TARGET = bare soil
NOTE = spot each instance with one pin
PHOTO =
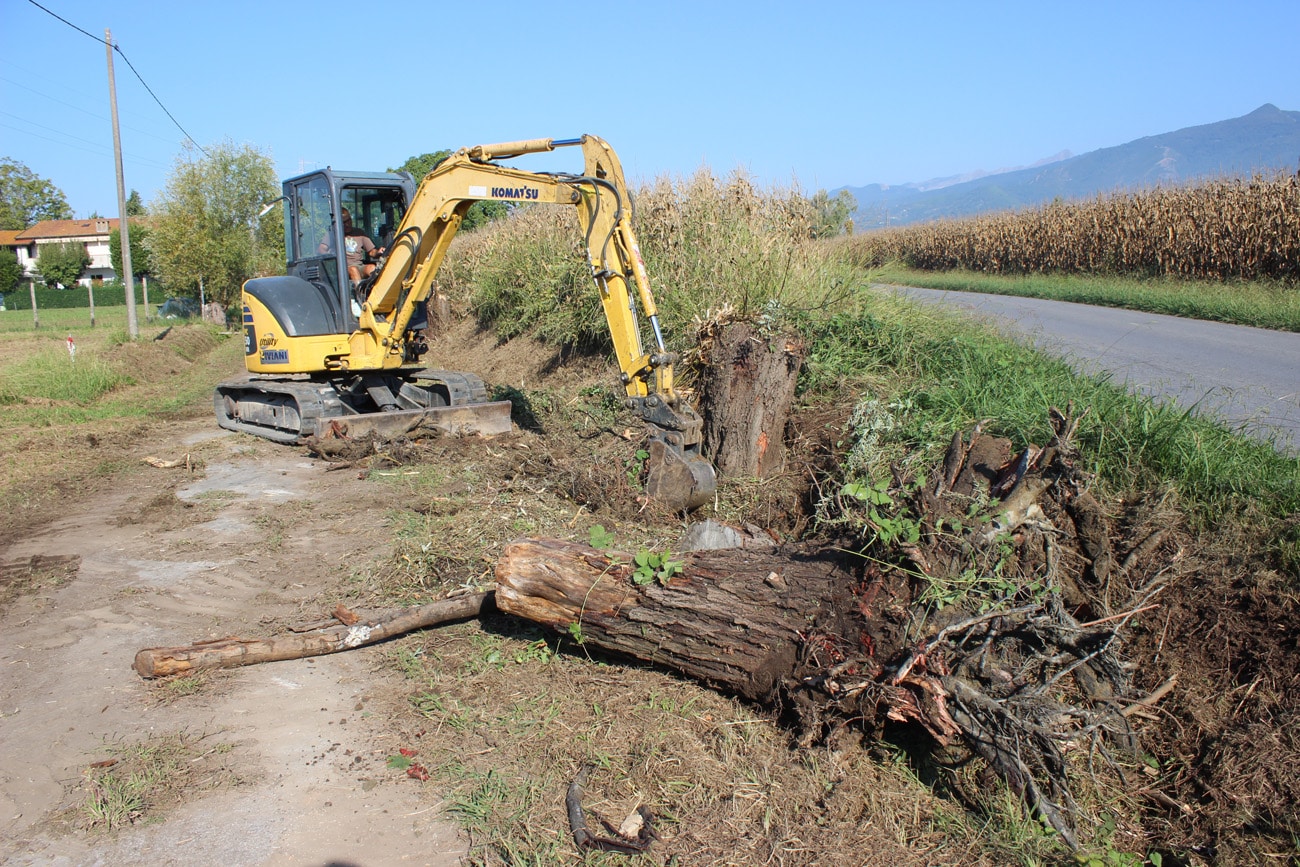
(247, 543)
(289, 762)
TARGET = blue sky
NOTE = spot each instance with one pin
(818, 95)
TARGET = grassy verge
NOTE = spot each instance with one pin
(61, 421)
(943, 373)
(1262, 304)
(61, 320)
(947, 373)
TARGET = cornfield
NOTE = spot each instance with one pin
(1225, 229)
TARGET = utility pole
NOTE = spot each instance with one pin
(129, 278)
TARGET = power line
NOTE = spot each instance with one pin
(93, 114)
(95, 147)
(127, 60)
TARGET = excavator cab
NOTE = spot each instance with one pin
(317, 249)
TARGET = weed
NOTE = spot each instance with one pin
(890, 529)
(535, 651)
(148, 775)
(180, 686)
(600, 538)
(634, 467)
(651, 566)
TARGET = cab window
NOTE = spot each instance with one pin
(313, 234)
(377, 211)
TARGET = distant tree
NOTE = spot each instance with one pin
(139, 249)
(205, 224)
(10, 271)
(423, 164)
(834, 216)
(134, 208)
(26, 199)
(62, 264)
(480, 213)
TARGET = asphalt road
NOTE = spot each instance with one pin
(1246, 377)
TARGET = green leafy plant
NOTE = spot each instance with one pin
(599, 537)
(889, 528)
(575, 632)
(535, 651)
(634, 465)
(650, 566)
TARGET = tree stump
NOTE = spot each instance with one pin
(746, 390)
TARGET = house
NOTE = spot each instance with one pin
(93, 233)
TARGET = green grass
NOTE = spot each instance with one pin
(943, 373)
(42, 386)
(1263, 305)
(60, 320)
(143, 777)
(51, 374)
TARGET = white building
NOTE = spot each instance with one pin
(91, 233)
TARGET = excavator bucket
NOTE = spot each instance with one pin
(681, 481)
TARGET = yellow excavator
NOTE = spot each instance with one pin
(332, 353)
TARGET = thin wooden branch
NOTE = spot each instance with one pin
(233, 652)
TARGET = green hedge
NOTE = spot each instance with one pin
(111, 294)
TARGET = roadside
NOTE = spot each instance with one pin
(1258, 304)
(289, 769)
(1245, 376)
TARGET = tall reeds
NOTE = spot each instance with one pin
(708, 243)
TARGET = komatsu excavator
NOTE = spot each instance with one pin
(325, 353)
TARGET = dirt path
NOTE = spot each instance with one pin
(287, 768)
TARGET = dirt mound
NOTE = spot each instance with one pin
(1228, 740)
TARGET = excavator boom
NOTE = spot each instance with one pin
(327, 345)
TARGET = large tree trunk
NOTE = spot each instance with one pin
(733, 619)
(746, 389)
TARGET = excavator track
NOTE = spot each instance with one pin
(291, 409)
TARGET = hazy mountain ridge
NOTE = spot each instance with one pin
(1266, 139)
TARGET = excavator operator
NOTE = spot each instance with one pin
(357, 245)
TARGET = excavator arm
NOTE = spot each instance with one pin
(677, 473)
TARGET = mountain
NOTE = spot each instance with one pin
(1268, 138)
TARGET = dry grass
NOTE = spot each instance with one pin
(52, 449)
(514, 718)
(141, 781)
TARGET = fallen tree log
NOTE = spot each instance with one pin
(233, 652)
(733, 619)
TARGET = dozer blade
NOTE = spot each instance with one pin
(476, 418)
(681, 481)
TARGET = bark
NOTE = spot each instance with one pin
(232, 652)
(746, 390)
(733, 619)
